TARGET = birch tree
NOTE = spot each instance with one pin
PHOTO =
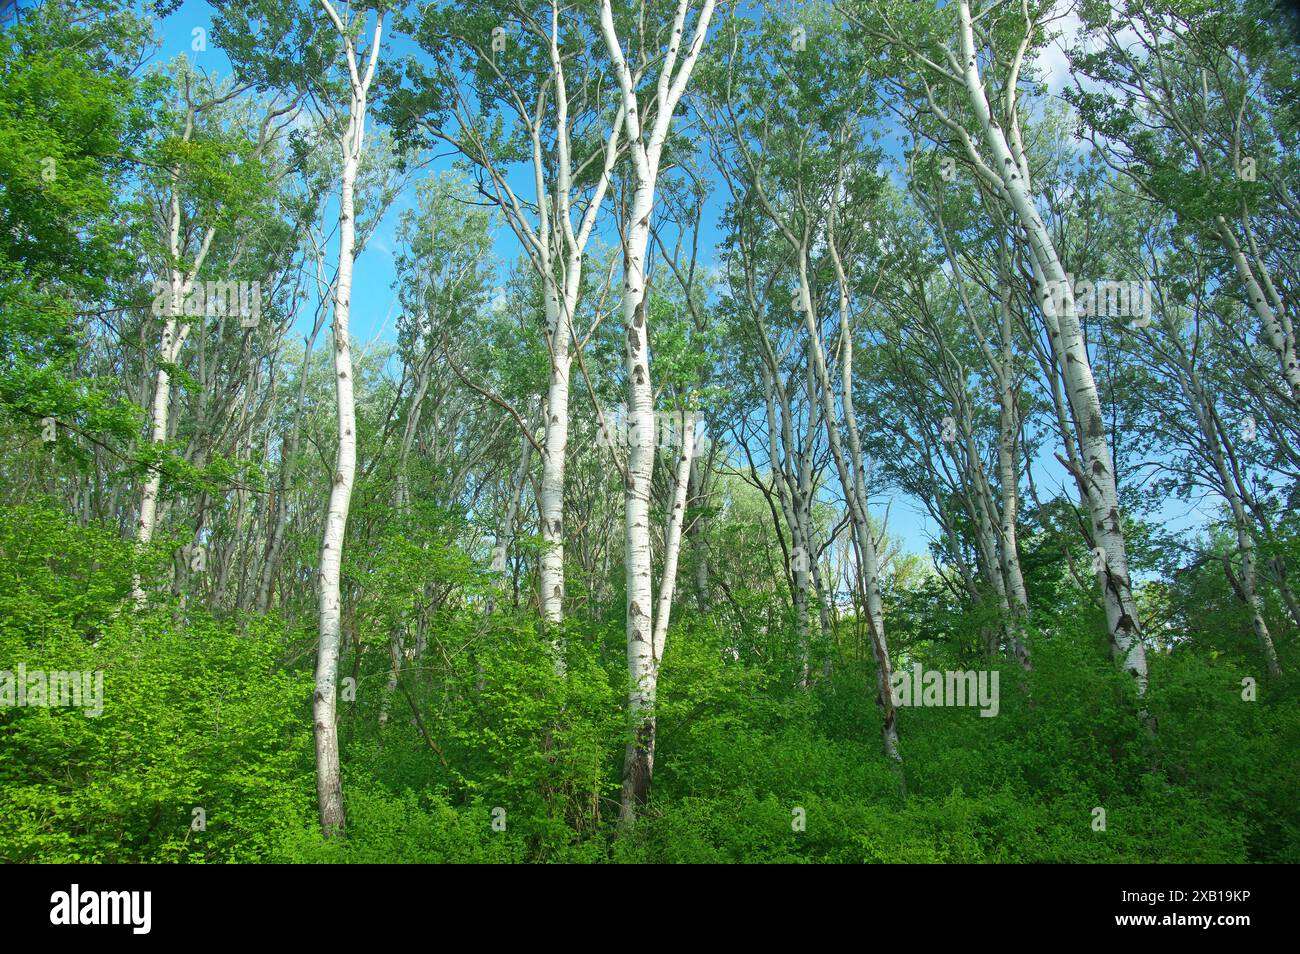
(802, 174)
(525, 61)
(195, 198)
(792, 410)
(1181, 102)
(647, 115)
(947, 74)
(361, 64)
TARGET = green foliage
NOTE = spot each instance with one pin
(196, 714)
(206, 714)
(462, 737)
(404, 829)
(68, 117)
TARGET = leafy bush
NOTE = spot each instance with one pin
(497, 758)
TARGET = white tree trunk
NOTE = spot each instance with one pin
(1276, 333)
(642, 663)
(555, 249)
(673, 536)
(1246, 586)
(852, 471)
(551, 504)
(1009, 550)
(1057, 300)
(329, 783)
(1009, 475)
(643, 648)
(176, 329)
(854, 486)
(329, 780)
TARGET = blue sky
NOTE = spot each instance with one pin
(375, 307)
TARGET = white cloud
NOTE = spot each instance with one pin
(1053, 65)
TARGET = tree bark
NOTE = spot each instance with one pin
(1058, 306)
(644, 640)
(329, 780)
